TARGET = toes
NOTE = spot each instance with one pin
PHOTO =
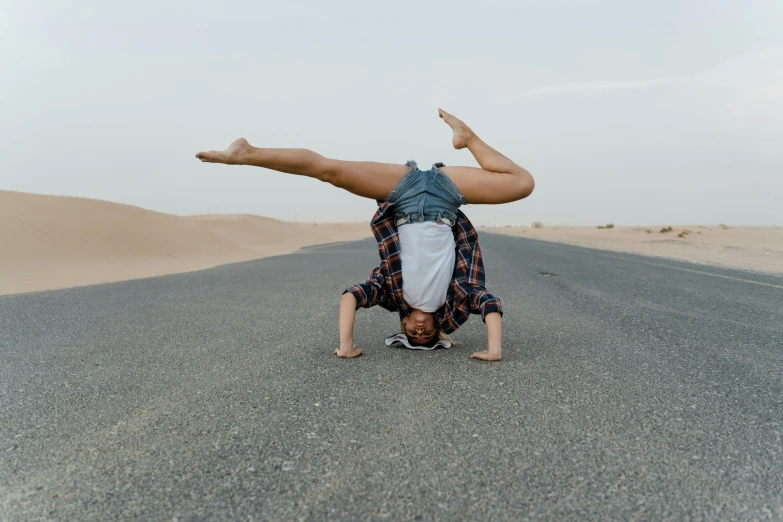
(209, 157)
(448, 118)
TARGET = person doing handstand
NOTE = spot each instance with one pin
(431, 271)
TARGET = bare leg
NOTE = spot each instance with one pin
(499, 180)
(363, 178)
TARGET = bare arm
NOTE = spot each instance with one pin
(494, 337)
(347, 319)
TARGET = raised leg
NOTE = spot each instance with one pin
(363, 178)
(499, 180)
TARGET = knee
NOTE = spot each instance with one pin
(328, 172)
(528, 187)
(525, 185)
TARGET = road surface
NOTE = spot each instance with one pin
(630, 387)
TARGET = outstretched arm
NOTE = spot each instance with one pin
(347, 319)
(494, 331)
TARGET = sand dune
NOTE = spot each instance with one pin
(751, 248)
(49, 242)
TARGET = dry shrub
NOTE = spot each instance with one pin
(723, 227)
(610, 225)
(666, 229)
(538, 224)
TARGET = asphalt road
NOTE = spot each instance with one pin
(630, 387)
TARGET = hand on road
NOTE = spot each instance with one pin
(348, 353)
(485, 356)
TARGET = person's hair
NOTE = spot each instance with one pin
(439, 336)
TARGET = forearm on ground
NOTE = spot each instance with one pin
(347, 319)
(494, 333)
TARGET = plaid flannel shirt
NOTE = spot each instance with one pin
(467, 294)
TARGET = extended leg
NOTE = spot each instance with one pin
(363, 178)
(499, 180)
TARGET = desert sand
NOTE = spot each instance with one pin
(50, 242)
(758, 249)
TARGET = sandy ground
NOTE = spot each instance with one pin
(49, 242)
(750, 248)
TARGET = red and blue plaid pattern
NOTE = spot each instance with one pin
(467, 294)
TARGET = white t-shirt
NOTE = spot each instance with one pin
(427, 252)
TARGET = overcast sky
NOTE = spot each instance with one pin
(624, 112)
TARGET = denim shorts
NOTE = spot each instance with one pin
(425, 195)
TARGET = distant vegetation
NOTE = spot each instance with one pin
(538, 224)
(610, 225)
(666, 229)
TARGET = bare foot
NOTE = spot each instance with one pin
(233, 155)
(462, 133)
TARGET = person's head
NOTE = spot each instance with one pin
(420, 328)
